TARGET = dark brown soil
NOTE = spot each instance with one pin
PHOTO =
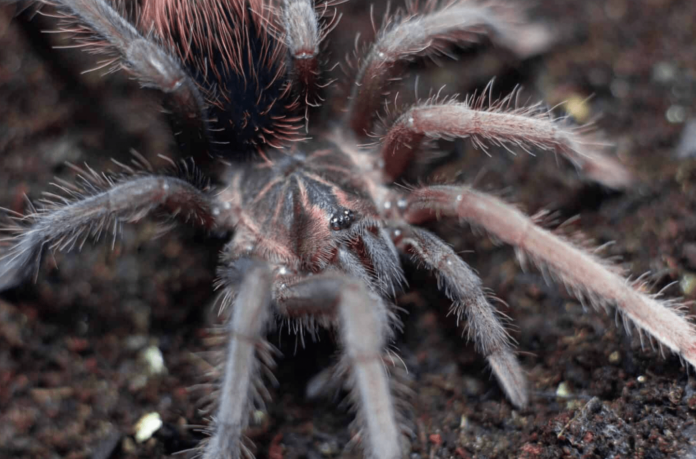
(72, 379)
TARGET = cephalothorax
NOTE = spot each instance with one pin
(318, 225)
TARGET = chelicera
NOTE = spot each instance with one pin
(318, 223)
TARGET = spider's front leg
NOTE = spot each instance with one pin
(362, 319)
(464, 288)
(584, 273)
(101, 205)
(247, 327)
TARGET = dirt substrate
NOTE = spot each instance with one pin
(79, 350)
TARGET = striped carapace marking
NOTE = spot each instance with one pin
(301, 202)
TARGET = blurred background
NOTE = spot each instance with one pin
(111, 336)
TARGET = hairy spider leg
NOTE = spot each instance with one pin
(497, 124)
(586, 275)
(246, 330)
(103, 204)
(303, 35)
(429, 31)
(99, 28)
(363, 321)
(464, 288)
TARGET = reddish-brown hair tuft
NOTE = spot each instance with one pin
(232, 50)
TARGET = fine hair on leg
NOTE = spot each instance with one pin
(100, 204)
(246, 331)
(99, 28)
(499, 123)
(429, 31)
(362, 320)
(302, 37)
(464, 288)
(587, 276)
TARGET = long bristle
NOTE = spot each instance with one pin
(231, 50)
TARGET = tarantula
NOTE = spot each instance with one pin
(318, 222)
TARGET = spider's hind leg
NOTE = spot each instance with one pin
(302, 37)
(99, 28)
(431, 31)
(464, 288)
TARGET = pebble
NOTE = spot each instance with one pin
(153, 360)
(578, 108)
(688, 283)
(46, 396)
(464, 422)
(615, 357)
(563, 390)
(676, 114)
(259, 417)
(147, 426)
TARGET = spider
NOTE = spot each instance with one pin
(317, 219)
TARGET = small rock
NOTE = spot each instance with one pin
(135, 342)
(435, 439)
(675, 395)
(675, 114)
(615, 357)
(152, 357)
(147, 426)
(464, 422)
(137, 382)
(577, 107)
(563, 390)
(688, 283)
(259, 417)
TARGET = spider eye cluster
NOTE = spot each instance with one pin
(341, 219)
